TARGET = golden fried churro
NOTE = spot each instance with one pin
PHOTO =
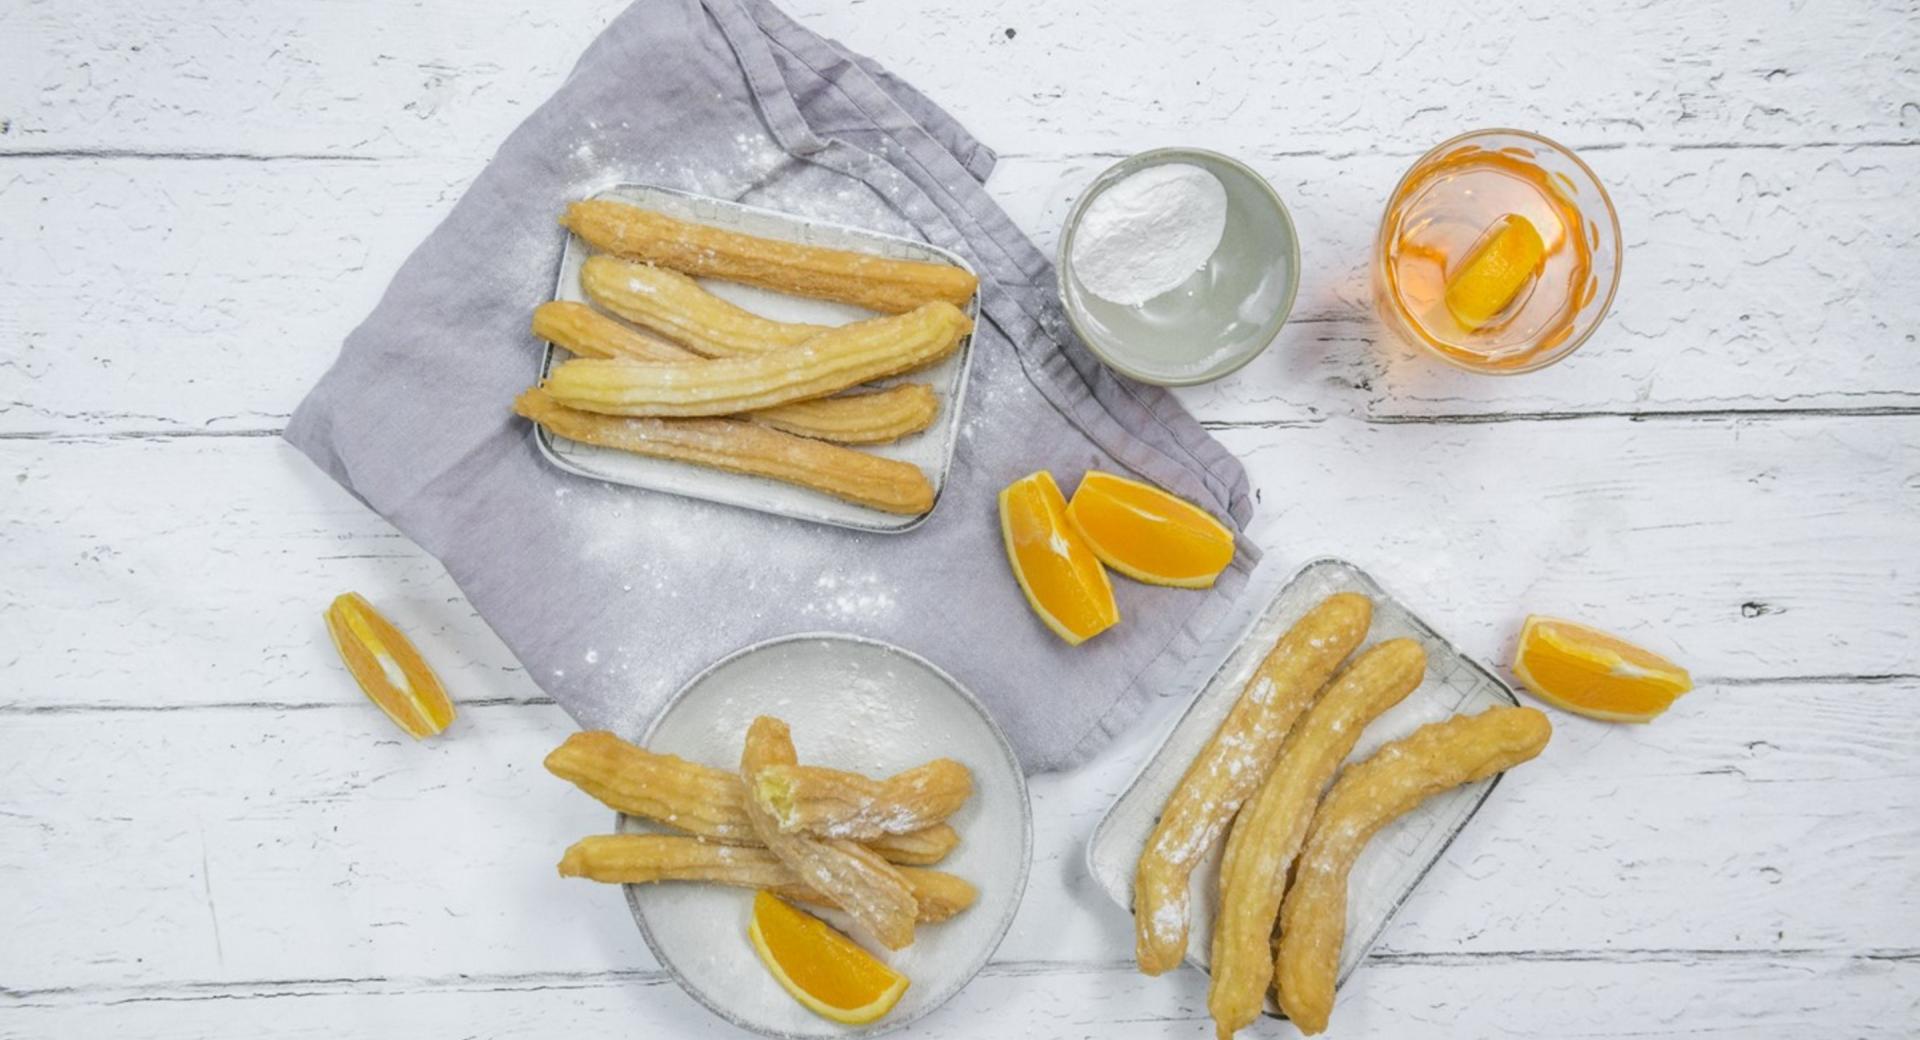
(891, 286)
(639, 859)
(1368, 796)
(826, 364)
(828, 803)
(675, 306)
(1230, 767)
(857, 417)
(1273, 823)
(698, 799)
(888, 485)
(581, 330)
(855, 878)
(871, 417)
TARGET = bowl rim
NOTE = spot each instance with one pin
(1063, 264)
(1613, 223)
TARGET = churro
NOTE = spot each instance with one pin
(855, 878)
(1234, 762)
(828, 363)
(697, 799)
(874, 282)
(888, 485)
(1368, 796)
(675, 306)
(1273, 823)
(581, 330)
(829, 803)
(855, 417)
(638, 859)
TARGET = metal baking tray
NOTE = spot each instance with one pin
(1401, 854)
(931, 449)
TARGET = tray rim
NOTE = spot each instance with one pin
(1500, 686)
(886, 1024)
(948, 423)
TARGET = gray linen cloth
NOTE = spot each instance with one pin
(613, 597)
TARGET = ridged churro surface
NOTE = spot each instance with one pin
(1273, 823)
(744, 447)
(1368, 796)
(829, 803)
(826, 364)
(1233, 763)
(874, 282)
(675, 306)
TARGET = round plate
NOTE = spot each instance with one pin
(853, 704)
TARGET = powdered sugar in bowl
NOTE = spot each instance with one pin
(1178, 266)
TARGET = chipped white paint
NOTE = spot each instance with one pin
(205, 832)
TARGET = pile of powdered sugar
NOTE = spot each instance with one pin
(1149, 232)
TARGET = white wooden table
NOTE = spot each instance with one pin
(206, 831)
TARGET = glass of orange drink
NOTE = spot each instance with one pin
(1499, 252)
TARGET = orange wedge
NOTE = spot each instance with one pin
(1147, 534)
(1495, 272)
(1591, 673)
(820, 967)
(387, 667)
(1063, 580)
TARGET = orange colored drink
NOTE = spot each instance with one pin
(1499, 252)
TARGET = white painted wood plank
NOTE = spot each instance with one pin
(1754, 999)
(209, 295)
(448, 78)
(229, 845)
(1748, 548)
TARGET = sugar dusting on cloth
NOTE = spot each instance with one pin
(1149, 232)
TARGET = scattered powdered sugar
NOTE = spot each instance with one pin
(860, 597)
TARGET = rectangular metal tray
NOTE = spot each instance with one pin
(1401, 854)
(931, 449)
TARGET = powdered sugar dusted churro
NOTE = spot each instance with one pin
(744, 447)
(639, 859)
(826, 364)
(834, 804)
(675, 306)
(1230, 767)
(890, 286)
(857, 880)
(1273, 823)
(1368, 796)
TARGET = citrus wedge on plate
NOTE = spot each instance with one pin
(389, 670)
(1062, 579)
(1147, 534)
(823, 969)
(1495, 272)
(1588, 672)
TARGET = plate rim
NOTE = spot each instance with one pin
(949, 418)
(1106, 818)
(1001, 928)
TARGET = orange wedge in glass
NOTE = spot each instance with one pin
(820, 967)
(1588, 672)
(1063, 580)
(1495, 272)
(1147, 534)
(387, 667)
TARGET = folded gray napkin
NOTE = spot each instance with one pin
(612, 597)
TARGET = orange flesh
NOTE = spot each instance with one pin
(827, 965)
(1590, 672)
(1148, 534)
(1062, 579)
(389, 670)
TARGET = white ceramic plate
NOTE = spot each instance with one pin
(853, 704)
(1401, 854)
(930, 449)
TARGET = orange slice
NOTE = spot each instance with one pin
(1147, 534)
(1063, 580)
(1496, 272)
(820, 967)
(1591, 673)
(387, 667)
